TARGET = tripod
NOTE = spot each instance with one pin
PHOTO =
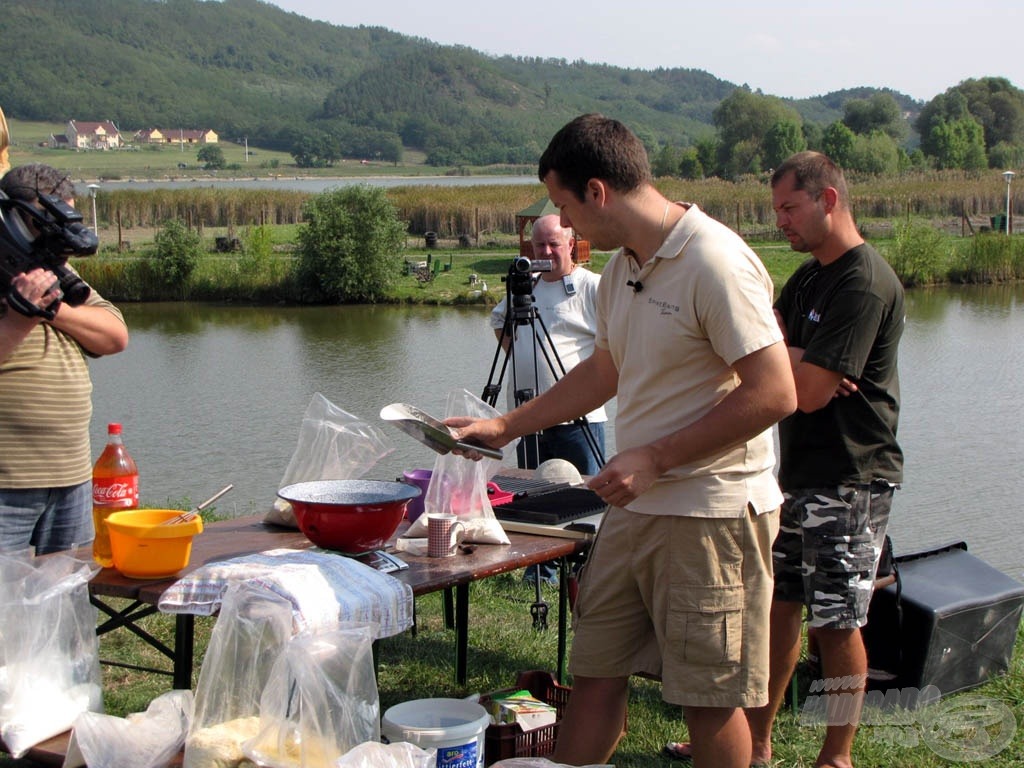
(521, 316)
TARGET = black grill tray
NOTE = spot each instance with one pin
(554, 507)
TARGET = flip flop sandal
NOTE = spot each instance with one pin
(680, 750)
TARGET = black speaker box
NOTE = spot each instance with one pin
(950, 621)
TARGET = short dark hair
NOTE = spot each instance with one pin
(28, 182)
(813, 172)
(596, 147)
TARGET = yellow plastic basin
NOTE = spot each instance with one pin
(145, 549)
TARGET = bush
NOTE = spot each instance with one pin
(177, 252)
(919, 253)
(349, 247)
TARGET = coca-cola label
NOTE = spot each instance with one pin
(116, 492)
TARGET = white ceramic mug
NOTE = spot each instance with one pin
(442, 534)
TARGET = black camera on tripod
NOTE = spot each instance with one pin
(58, 233)
(520, 280)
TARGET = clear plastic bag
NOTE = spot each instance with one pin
(401, 754)
(459, 486)
(49, 652)
(333, 445)
(253, 627)
(149, 739)
(320, 700)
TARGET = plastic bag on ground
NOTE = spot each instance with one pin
(253, 627)
(320, 700)
(401, 754)
(149, 739)
(49, 652)
(333, 445)
(459, 486)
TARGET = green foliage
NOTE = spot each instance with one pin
(744, 119)
(876, 153)
(177, 252)
(995, 104)
(838, 142)
(879, 113)
(348, 249)
(783, 139)
(918, 253)
(992, 257)
(958, 144)
(212, 157)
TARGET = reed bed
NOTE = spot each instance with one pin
(486, 211)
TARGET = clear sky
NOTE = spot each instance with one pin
(790, 48)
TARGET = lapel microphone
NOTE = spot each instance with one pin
(636, 286)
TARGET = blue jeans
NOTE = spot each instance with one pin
(565, 441)
(50, 519)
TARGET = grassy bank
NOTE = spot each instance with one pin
(502, 642)
(450, 274)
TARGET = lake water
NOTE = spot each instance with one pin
(215, 395)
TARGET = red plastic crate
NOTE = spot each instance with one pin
(509, 740)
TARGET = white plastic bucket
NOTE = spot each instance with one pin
(454, 727)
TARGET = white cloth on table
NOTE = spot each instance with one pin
(324, 589)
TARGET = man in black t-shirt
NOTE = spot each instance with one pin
(842, 314)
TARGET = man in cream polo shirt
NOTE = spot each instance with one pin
(679, 580)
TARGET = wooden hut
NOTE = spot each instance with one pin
(581, 251)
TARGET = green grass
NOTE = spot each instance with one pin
(502, 642)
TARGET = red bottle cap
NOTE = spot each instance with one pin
(113, 429)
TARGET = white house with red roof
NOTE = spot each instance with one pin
(81, 134)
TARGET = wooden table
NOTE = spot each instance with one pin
(245, 535)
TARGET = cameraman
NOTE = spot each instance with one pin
(565, 300)
(45, 395)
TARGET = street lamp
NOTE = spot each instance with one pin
(1008, 175)
(93, 189)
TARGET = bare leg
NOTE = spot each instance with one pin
(592, 722)
(784, 645)
(718, 737)
(844, 661)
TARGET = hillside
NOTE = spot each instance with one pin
(247, 68)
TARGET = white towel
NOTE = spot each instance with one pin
(324, 589)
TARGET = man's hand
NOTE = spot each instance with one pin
(845, 388)
(38, 287)
(626, 476)
(488, 432)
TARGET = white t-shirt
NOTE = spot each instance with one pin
(571, 322)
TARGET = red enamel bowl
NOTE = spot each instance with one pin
(350, 516)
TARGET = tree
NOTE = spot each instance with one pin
(177, 252)
(783, 139)
(875, 153)
(837, 142)
(212, 157)
(958, 144)
(743, 120)
(690, 166)
(666, 161)
(879, 113)
(349, 246)
(991, 102)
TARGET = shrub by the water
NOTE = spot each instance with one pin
(349, 248)
(177, 252)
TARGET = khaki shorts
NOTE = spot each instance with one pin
(685, 599)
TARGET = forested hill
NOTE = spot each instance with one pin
(247, 68)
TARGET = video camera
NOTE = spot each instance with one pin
(520, 280)
(59, 234)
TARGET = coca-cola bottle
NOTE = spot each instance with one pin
(115, 487)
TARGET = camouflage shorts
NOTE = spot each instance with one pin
(827, 550)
